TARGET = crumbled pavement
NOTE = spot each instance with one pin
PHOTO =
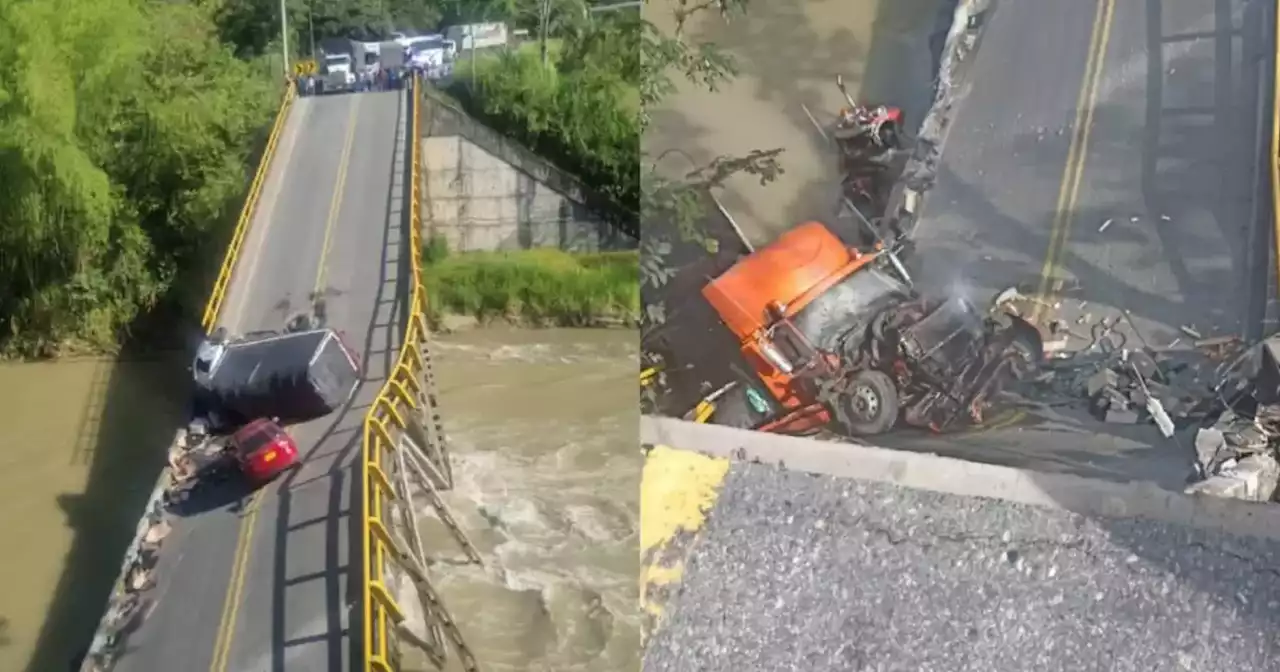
(1099, 356)
(813, 573)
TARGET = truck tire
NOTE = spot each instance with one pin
(869, 406)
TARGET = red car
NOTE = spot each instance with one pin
(263, 450)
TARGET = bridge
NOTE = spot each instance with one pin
(1125, 147)
(317, 570)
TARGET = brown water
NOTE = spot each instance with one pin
(80, 449)
(788, 53)
(547, 469)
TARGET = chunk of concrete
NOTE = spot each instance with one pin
(1253, 479)
(1120, 415)
(1209, 442)
(1101, 381)
(1144, 363)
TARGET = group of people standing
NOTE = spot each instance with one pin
(375, 79)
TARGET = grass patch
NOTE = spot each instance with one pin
(534, 287)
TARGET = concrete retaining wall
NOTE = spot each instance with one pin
(485, 192)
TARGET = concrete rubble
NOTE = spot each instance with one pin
(192, 456)
(1226, 390)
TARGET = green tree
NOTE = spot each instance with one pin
(124, 132)
(580, 110)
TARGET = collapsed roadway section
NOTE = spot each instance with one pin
(265, 575)
(1108, 161)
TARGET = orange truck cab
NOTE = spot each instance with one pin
(787, 304)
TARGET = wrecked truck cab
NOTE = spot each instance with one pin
(789, 305)
(832, 333)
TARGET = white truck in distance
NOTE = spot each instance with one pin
(338, 73)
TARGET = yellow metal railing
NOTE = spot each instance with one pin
(219, 293)
(1275, 152)
(399, 396)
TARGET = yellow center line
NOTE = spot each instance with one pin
(244, 540)
(1077, 151)
(235, 585)
(335, 205)
(1275, 155)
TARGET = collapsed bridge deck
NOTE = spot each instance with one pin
(1114, 162)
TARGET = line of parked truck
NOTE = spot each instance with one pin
(344, 65)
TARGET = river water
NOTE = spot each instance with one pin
(78, 458)
(547, 484)
(547, 468)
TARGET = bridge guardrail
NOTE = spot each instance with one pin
(403, 443)
(214, 306)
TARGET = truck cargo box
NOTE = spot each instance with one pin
(293, 376)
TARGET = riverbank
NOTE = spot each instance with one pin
(531, 288)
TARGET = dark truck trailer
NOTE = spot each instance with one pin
(295, 376)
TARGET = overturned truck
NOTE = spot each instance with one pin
(836, 338)
(292, 377)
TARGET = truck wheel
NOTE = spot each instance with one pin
(869, 405)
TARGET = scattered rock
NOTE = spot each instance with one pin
(1253, 479)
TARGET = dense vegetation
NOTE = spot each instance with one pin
(541, 287)
(576, 102)
(127, 131)
(125, 128)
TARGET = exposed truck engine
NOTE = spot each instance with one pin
(837, 337)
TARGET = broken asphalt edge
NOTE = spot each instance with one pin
(932, 472)
(118, 613)
(918, 175)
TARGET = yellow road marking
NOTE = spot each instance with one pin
(235, 586)
(1001, 421)
(1077, 151)
(1275, 159)
(244, 539)
(335, 205)
(678, 489)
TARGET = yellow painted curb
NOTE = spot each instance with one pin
(677, 490)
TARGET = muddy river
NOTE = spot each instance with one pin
(78, 458)
(788, 53)
(547, 470)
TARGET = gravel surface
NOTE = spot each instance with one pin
(801, 572)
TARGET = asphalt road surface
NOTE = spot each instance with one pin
(1151, 125)
(816, 573)
(260, 581)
